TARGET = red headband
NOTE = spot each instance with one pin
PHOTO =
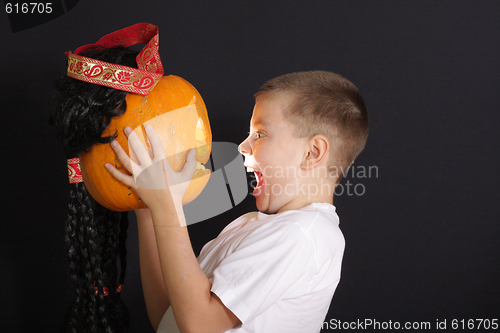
(139, 81)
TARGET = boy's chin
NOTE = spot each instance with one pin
(264, 204)
(261, 200)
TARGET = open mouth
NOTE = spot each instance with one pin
(258, 177)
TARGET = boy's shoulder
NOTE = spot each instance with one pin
(319, 221)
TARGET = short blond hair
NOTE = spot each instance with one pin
(324, 103)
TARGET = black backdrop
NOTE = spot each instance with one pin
(422, 231)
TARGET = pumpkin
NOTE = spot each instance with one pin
(177, 112)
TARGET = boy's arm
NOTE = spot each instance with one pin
(155, 294)
(195, 307)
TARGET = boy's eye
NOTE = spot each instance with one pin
(256, 135)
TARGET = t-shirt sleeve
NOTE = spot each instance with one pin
(264, 268)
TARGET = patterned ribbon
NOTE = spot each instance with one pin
(139, 81)
(74, 171)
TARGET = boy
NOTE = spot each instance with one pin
(269, 271)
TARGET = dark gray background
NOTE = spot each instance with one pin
(421, 243)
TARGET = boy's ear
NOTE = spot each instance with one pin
(317, 151)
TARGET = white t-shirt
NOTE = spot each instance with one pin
(277, 273)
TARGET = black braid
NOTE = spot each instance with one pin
(94, 237)
(80, 213)
(111, 303)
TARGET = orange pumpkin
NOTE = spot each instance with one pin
(181, 130)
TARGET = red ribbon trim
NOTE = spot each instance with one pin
(139, 81)
(74, 171)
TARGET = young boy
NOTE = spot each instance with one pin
(275, 270)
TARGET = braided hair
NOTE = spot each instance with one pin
(95, 236)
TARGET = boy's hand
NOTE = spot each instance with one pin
(152, 178)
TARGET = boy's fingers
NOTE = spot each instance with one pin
(138, 148)
(122, 155)
(156, 144)
(190, 165)
(125, 179)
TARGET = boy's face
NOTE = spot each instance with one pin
(273, 151)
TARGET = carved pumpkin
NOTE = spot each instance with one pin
(182, 129)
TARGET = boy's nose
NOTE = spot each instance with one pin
(244, 148)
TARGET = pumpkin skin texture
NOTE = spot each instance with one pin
(170, 94)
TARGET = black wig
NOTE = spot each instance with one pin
(95, 236)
